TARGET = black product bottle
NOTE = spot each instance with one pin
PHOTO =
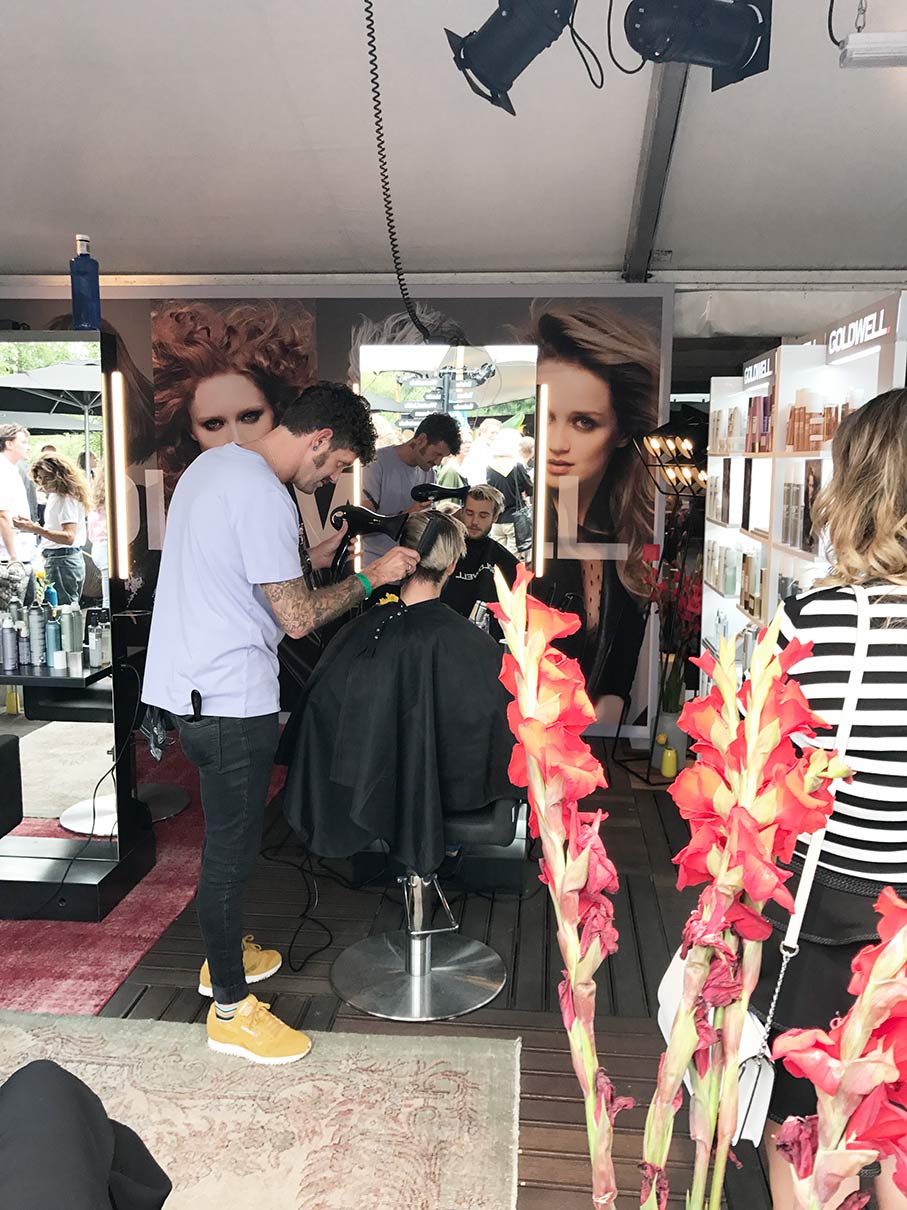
(86, 293)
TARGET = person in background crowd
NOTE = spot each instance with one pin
(16, 549)
(508, 474)
(602, 373)
(92, 465)
(64, 531)
(864, 510)
(387, 482)
(97, 532)
(212, 665)
(222, 376)
(451, 473)
(475, 468)
(526, 453)
(472, 579)
(47, 449)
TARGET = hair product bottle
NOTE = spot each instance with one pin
(86, 291)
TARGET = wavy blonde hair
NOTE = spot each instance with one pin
(623, 354)
(54, 473)
(864, 506)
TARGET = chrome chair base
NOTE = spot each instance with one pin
(460, 976)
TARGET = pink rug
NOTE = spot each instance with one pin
(67, 967)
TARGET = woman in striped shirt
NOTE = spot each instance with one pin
(864, 509)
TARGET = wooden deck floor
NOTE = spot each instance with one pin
(642, 831)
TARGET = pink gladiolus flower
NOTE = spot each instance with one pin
(723, 985)
(798, 1142)
(653, 1176)
(606, 1100)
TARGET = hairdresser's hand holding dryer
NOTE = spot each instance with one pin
(230, 585)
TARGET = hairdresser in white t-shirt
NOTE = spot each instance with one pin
(63, 533)
(230, 586)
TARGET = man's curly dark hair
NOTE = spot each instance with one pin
(441, 427)
(331, 405)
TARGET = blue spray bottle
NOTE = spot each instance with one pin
(86, 290)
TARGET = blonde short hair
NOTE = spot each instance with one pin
(864, 505)
(484, 491)
(448, 547)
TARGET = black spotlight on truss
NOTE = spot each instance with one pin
(491, 58)
(675, 457)
(732, 37)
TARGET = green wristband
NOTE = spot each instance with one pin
(366, 584)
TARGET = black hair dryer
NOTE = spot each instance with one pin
(433, 492)
(361, 521)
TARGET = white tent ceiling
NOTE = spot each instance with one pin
(236, 137)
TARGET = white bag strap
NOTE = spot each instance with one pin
(790, 944)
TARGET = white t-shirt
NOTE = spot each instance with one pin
(231, 527)
(58, 511)
(14, 500)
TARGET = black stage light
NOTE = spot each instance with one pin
(491, 58)
(730, 36)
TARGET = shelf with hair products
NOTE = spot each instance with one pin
(770, 452)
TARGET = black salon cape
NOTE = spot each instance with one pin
(403, 722)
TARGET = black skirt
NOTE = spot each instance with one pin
(839, 921)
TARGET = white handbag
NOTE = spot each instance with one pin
(757, 1070)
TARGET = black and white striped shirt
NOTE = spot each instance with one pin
(867, 832)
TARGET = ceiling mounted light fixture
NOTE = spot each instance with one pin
(492, 57)
(732, 37)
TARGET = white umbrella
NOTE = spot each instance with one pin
(74, 384)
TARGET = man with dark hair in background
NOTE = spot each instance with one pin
(473, 577)
(388, 483)
(231, 583)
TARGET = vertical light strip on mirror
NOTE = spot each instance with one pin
(540, 493)
(357, 500)
(118, 429)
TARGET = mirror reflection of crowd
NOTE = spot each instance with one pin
(51, 516)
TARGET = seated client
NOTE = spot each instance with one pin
(473, 577)
(403, 721)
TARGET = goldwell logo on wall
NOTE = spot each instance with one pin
(859, 332)
(755, 371)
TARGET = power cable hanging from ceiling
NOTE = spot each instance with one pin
(831, 25)
(384, 172)
(585, 52)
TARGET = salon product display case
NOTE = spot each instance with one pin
(770, 439)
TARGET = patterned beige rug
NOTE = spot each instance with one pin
(387, 1123)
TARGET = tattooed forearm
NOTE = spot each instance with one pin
(301, 610)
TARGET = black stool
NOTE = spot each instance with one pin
(429, 974)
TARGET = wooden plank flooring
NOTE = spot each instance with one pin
(641, 833)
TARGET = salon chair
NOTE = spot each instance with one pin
(422, 973)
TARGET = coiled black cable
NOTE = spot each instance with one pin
(384, 172)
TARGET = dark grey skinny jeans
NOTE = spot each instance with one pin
(234, 757)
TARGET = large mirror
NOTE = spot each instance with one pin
(56, 695)
(487, 397)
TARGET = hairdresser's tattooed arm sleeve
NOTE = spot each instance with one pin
(301, 610)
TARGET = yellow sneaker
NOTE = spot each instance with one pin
(258, 964)
(256, 1034)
